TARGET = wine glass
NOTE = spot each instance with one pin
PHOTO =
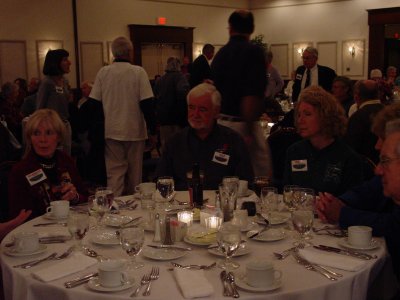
(259, 183)
(78, 226)
(288, 196)
(302, 220)
(228, 239)
(303, 197)
(230, 185)
(132, 240)
(166, 187)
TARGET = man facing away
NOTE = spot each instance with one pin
(239, 73)
(218, 150)
(310, 73)
(126, 94)
(200, 69)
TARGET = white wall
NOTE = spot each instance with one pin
(292, 21)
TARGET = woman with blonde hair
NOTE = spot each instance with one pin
(45, 173)
(321, 161)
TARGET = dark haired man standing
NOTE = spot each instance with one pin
(239, 74)
(201, 69)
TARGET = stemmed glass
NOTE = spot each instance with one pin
(230, 185)
(166, 187)
(228, 239)
(303, 216)
(288, 191)
(269, 201)
(78, 226)
(132, 240)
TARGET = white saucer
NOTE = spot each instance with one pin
(163, 254)
(373, 244)
(94, 284)
(193, 241)
(276, 219)
(250, 226)
(270, 235)
(49, 216)
(241, 251)
(116, 220)
(246, 194)
(13, 252)
(241, 283)
(127, 198)
(107, 238)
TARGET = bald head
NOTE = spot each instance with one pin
(365, 90)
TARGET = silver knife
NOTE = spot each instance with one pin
(49, 224)
(170, 247)
(356, 254)
(80, 280)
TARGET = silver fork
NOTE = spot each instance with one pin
(198, 267)
(312, 267)
(286, 253)
(155, 273)
(145, 280)
(65, 254)
(30, 264)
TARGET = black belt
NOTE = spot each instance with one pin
(231, 118)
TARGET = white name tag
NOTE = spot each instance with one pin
(221, 158)
(36, 177)
(299, 165)
(299, 76)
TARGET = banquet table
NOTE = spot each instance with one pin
(297, 282)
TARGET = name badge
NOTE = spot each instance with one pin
(299, 165)
(299, 76)
(36, 177)
(221, 158)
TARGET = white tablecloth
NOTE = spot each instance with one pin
(298, 283)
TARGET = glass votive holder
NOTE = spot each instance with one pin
(186, 217)
(213, 222)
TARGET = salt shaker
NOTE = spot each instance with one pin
(157, 228)
(168, 237)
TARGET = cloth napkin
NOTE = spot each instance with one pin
(334, 260)
(75, 263)
(193, 283)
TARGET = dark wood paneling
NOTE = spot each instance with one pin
(161, 35)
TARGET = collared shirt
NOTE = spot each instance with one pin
(369, 102)
(314, 76)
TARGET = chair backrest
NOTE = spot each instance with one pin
(5, 169)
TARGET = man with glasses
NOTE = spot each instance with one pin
(310, 73)
(376, 203)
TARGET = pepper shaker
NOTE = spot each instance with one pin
(157, 228)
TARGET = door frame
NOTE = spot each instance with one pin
(159, 34)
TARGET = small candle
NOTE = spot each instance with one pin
(185, 217)
(213, 222)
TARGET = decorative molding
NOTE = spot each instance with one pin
(92, 59)
(327, 54)
(281, 58)
(353, 65)
(13, 62)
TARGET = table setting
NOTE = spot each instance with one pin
(156, 252)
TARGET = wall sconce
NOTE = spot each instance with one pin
(352, 51)
(300, 51)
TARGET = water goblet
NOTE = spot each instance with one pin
(230, 185)
(302, 220)
(78, 226)
(132, 240)
(165, 188)
(288, 196)
(104, 198)
(228, 239)
(269, 201)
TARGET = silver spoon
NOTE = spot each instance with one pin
(231, 278)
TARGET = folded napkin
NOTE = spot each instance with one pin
(75, 263)
(193, 283)
(338, 261)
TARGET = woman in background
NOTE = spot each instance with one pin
(54, 90)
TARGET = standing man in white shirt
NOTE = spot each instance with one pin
(310, 73)
(125, 92)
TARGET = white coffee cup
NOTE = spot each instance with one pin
(145, 187)
(359, 236)
(59, 209)
(240, 218)
(243, 187)
(111, 273)
(26, 242)
(261, 273)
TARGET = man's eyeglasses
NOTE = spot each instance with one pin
(308, 57)
(385, 161)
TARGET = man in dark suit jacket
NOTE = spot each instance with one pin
(201, 66)
(319, 75)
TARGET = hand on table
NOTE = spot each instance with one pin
(328, 208)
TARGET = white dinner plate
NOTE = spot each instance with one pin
(241, 283)
(270, 235)
(276, 219)
(107, 238)
(372, 245)
(13, 252)
(116, 220)
(163, 254)
(241, 251)
(251, 226)
(49, 216)
(94, 284)
(197, 242)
